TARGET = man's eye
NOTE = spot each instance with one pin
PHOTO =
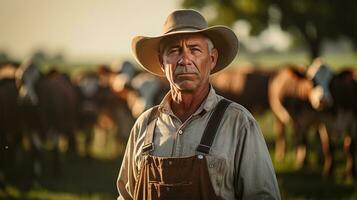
(174, 50)
(196, 50)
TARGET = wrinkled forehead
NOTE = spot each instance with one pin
(169, 41)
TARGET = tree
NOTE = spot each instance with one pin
(315, 20)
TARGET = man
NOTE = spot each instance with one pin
(195, 144)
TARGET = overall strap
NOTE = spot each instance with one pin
(212, 126)
(150, 130)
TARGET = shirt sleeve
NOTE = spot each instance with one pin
(255, 176)
(126, 179)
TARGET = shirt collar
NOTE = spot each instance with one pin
(208, 104)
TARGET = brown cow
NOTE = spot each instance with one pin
(245, 85)
(10, 129)
(141, 90)
(317, 98)
(289, 94)
(87, 85)
(339, 120)
(49, 102)
(99, 105)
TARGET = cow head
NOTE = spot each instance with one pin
(89, 85)
(26, 77)
(321, 75)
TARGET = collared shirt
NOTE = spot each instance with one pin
(239, 163)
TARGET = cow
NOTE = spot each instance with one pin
(49, 102)
(115, 106)
(10, 128)
(101, 106)
(339, 119)
(315, 98)
(245, 85)
(150, 91)
(87, 85)
(142, 90)
(126, 70)
(288, 98)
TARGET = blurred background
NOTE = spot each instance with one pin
(70, 90)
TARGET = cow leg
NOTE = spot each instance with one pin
(72, 144)
(280, 143)
(326, 149)
(301, 143)
(36, 145)
(300, 156)
(349, 147)
(56, 152)
(3, 152)
(89, 134)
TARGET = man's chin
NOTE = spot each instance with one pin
(186, 87)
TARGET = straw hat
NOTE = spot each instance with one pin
(146, 49)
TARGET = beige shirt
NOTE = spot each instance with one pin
(239, 163)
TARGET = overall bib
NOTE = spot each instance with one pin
(181, 178)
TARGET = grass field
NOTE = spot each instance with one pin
(95, 179)
(80, 177)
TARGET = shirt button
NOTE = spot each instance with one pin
(180, 132)
(170, 162)
(200, 156)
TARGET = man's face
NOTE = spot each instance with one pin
(187, 61)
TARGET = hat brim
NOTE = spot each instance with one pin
(146, 49)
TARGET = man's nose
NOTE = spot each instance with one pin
(185, 58)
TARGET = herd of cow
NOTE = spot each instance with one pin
(44, 106)
(307, 97)
(41, 108)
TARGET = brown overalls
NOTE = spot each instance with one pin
(181, 178)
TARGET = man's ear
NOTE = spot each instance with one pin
(161, 63)
(214, 58)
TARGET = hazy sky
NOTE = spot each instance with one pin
(81, 29)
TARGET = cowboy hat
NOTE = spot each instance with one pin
(146, 49)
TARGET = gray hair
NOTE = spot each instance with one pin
(210, 44)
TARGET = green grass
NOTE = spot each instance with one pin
(307, 183)
(95, 179)
(81, 178)
(273, 60)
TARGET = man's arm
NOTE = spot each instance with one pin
(255, 176)
(126, 178)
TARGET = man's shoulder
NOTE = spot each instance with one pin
(146, 114)
(144, 117)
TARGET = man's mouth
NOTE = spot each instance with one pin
(186, 74)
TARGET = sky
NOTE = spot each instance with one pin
(99, 30)
(80, 29)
